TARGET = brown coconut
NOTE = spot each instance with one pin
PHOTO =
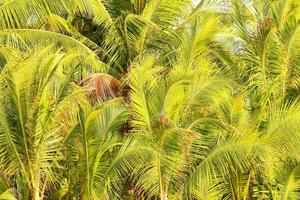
(100, 87)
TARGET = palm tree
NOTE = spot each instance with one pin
(31, 125)
(209, 108)
(116, 30)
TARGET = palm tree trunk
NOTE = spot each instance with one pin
(35, 194)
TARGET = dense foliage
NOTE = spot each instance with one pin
(150, 99)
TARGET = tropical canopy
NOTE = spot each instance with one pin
(149, 99)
